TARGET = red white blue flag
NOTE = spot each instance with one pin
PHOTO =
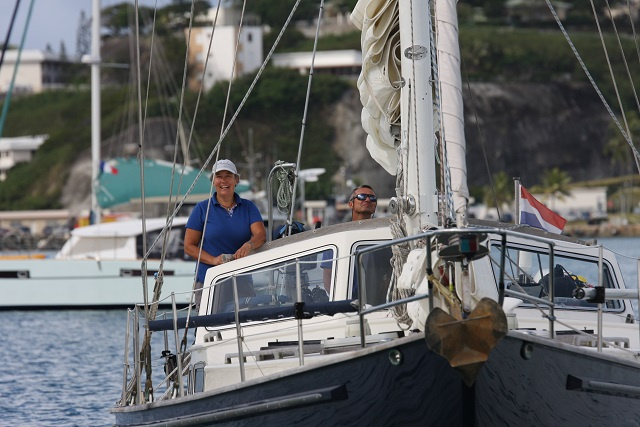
(535, 214)
(108, 168)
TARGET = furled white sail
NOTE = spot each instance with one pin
(380, 88)
(379, 80)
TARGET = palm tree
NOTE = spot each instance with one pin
(500, 193)
(555, 184)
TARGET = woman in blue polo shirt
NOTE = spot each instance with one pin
(233, 226)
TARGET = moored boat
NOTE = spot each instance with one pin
(428, 318)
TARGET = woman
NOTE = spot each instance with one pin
(233, 228)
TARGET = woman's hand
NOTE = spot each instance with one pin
(243, 251)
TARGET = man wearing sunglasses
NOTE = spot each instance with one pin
(363, 202)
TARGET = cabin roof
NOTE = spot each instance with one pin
(126, 228)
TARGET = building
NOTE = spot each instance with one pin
(341, 62)
(582, 203)
(37, 71)
(527, 11)
(220, 59)
(18, 150)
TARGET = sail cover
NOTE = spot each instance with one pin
(379, 81)
(119, 182)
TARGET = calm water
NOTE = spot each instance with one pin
(64, 368)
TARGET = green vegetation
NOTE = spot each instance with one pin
(274, 110)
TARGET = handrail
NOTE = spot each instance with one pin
(364, 310)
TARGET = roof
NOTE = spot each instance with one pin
(27, 143)
(126, 228)
(323, 59)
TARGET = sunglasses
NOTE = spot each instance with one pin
(362, 197)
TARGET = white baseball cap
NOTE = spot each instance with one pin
(225, 165)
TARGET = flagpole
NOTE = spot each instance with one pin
(516, 216)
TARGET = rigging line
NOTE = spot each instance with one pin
(141, 156)
(191, 132)
(480, 134)
(216, 149)
(624, 60)
(633, 30)
(613, 77)
(146, 350)
(593, 83)
(177, 138)
(624, 57)
(7, 99)
(304, 119)
(412, 93)
(233, 68)
(6, 39)
(159, 277)
(172, 216)
(240, 106)
(224, 115)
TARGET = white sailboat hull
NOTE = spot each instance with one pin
(56, 283)
(100, 266)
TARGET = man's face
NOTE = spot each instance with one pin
(363, 209)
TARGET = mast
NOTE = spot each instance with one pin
(417, 138)
(95, 111)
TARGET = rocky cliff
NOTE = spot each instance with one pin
(521, 129)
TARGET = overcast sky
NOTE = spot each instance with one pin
(52, 21)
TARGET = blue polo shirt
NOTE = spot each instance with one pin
(225, 233)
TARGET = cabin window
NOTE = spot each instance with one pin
(377, 275)
(175, 244)
(527, 270)
(196, 378)
(275, 284)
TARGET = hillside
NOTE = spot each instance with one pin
(533, 116)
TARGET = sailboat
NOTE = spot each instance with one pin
(101, 265)
(432, 318)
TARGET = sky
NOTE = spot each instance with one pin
(52, 21)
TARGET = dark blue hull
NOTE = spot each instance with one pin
(525, 382)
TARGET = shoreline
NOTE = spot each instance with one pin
(601, 230)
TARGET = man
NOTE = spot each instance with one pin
(363, 202)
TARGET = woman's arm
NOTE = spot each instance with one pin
(258, 237)
(192, 247)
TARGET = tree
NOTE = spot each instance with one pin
(555, 184)
(63, 51)
(83, 36)
(501, 193)
(618, 148)
(276, 12)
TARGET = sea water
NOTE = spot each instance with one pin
(64, 367)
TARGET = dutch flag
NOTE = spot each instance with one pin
(535, 214)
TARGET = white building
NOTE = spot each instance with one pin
(582, 203)
(18, 150)
(220, 63)
(345, 62)
(37, 71)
